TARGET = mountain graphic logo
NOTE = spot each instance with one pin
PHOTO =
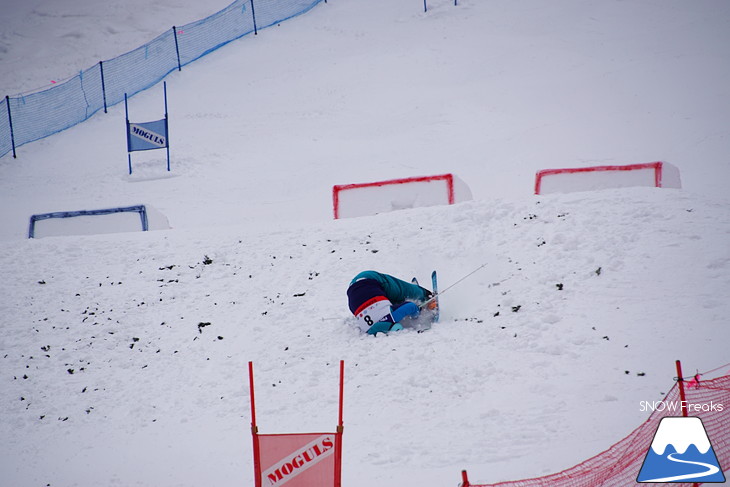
(681, 452)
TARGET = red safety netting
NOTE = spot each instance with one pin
(619, 466)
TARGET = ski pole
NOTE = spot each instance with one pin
(432, 298)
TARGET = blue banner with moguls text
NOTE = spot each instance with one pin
(147, 135)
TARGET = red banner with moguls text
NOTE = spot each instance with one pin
(298, 460)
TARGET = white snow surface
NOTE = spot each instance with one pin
(109, 373)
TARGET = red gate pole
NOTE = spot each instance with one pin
(340, 429)
(464, 479)
(254, 431)
(680, 380)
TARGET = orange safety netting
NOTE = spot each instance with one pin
(619, 466)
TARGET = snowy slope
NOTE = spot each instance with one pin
(363, 91)
(112, 375)
(155, 398)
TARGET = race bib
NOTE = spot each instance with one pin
(378, 311)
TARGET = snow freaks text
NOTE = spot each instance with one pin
(678, 406)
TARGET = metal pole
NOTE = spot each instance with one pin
(254, 430)
(177, 48)
(167, 130)
(454, 284)
(342, 392)
(126, 116)
(340, 429)
(682, 397)
(680, 380)
(103, 86)
(464, 479)
(253, 15)
(10, 121)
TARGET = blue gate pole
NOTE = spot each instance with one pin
(103, 87)
(253, 14)
(126, 116)
(10, 121)
(425, 7)
(167, 130)
(177, 48)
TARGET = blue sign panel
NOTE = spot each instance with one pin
(147, 135)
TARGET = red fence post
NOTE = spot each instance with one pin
(680, 380)
(682, 397)
(464, 479)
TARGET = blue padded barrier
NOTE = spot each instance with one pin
(141, 209)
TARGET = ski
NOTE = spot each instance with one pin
(435, 309)
(425, 320)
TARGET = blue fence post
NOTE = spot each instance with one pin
(253, 15)
(126, 116)
(167, 130)
(177, 47)
(103, 87)
(10, 121)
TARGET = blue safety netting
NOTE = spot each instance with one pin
(140, 68)
(64, 105)
(5, 145)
